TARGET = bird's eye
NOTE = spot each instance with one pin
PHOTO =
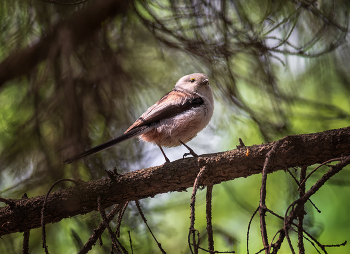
(193, 80)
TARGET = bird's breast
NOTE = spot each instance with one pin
(183, 126)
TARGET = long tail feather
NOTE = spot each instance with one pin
(130, 134)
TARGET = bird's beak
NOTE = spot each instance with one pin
(205, 82)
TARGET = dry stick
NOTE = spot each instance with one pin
(43, 210)
(103, 215)
(241, 144)
(277, 245)
(8, 201)
(132, 252)
(209, 216)
(215, 251)
(100, 241)
(115, 243)
(335, 245)
(295, 205)
(297, 182)
(193, 201)
(301, 212)
(310, 241)
(261, 250)
(286, 225)
(322, 164)
(250, 222)
(25, 249)
(119, 220)
(282, 218)
(98, 231)
(145, 221)
(262, 204)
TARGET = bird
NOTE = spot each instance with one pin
(173, 120)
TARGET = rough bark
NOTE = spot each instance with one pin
(296, 150)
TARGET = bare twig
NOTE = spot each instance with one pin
(322, 164)
(43, 210)
(215, 251)
(7, 201)
(295, 206)
(99, 230)
(145, 221)
(192, 217)
(209, 216)
(26, 235)
(119, 220)
(132, 251)
(241, 144)
(336, 245)
(249, 224)
(116, 244)
(301, 212)
(297, 182)
(262, 204)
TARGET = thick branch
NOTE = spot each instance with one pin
(297, 150)
(80, 26)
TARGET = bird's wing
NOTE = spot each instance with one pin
(171, 104)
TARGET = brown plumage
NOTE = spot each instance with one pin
(174, 120)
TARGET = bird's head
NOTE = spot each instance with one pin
(197, 83)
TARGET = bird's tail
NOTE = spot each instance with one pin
(130, 134)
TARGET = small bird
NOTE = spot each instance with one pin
(173, 121)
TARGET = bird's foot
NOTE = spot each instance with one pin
(189, 149)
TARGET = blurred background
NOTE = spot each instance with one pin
(276, 68)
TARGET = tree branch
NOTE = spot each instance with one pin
(296, 150)
(80, 26)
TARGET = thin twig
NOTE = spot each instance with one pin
(145, 221)
(99, 230)
(215, 251)
(297, 182)
(249, 224)
(7, 201)
(301, 212)
(278, 243)
(322, 164)
(335, 245)
(132, 251)
(295, 206)
(286, 226)
(262, 204)
(116, 244)
(119, 220)
(43, 210)
(192, 217)
(26, 235)
(209, 216)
